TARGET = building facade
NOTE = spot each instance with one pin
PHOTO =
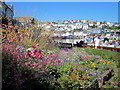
(25, 21)
(6, 12)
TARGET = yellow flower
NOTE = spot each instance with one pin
(104, 63)
(91, 62)
(101, 60)
(94, 66)
(108, 61)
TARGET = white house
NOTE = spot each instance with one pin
(85, 26)
(97, 23)
(78, 33)
(90, 24)
(48, 27)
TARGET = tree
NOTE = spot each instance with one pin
(93, 26)
(77, 30)
(114, 27)
(33, 21)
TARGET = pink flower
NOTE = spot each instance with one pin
(35, 46)
(37, 53)
(52, 55)
(53, 64)
(4, 40)
(27, 63)
(21, 40)
(34, 63)
(57, 61)
(10, 26)
(42, 71)
(19, 32)
(11, 40)
(39, 66)
(28, 53)
(46, 69)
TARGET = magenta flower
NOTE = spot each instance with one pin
(37, 53)
(4, 40)
(27, 63)
(42, 71)
(35, 46)
(34, 63)
(57, 62)
(11, 40)
(39, 66)
(21, 40)
(53, 64)
(46, 69)
(28, 53)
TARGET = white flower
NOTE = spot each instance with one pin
(30, 49)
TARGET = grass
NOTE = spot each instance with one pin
(115, 65)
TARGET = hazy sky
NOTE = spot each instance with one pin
(98, 11)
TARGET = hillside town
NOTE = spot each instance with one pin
(81, 27)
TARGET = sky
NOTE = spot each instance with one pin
(53, 11)
(62, 0)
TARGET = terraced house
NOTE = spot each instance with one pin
(6, 12)
(24, 21)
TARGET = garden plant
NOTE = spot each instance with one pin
(31, 62)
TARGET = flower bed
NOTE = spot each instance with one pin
(83, 70)
(33, 66)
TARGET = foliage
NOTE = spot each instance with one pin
(93, 26)
(77, 30)
(113, 27)
(31, 63)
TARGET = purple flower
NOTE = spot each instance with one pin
(62, 63)
(68, 63)
(65, 60)
(86, 61)
(91, 65)
(92, 73)
(78, 60)
(66, 49)
(100, 75)
(19, 48)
